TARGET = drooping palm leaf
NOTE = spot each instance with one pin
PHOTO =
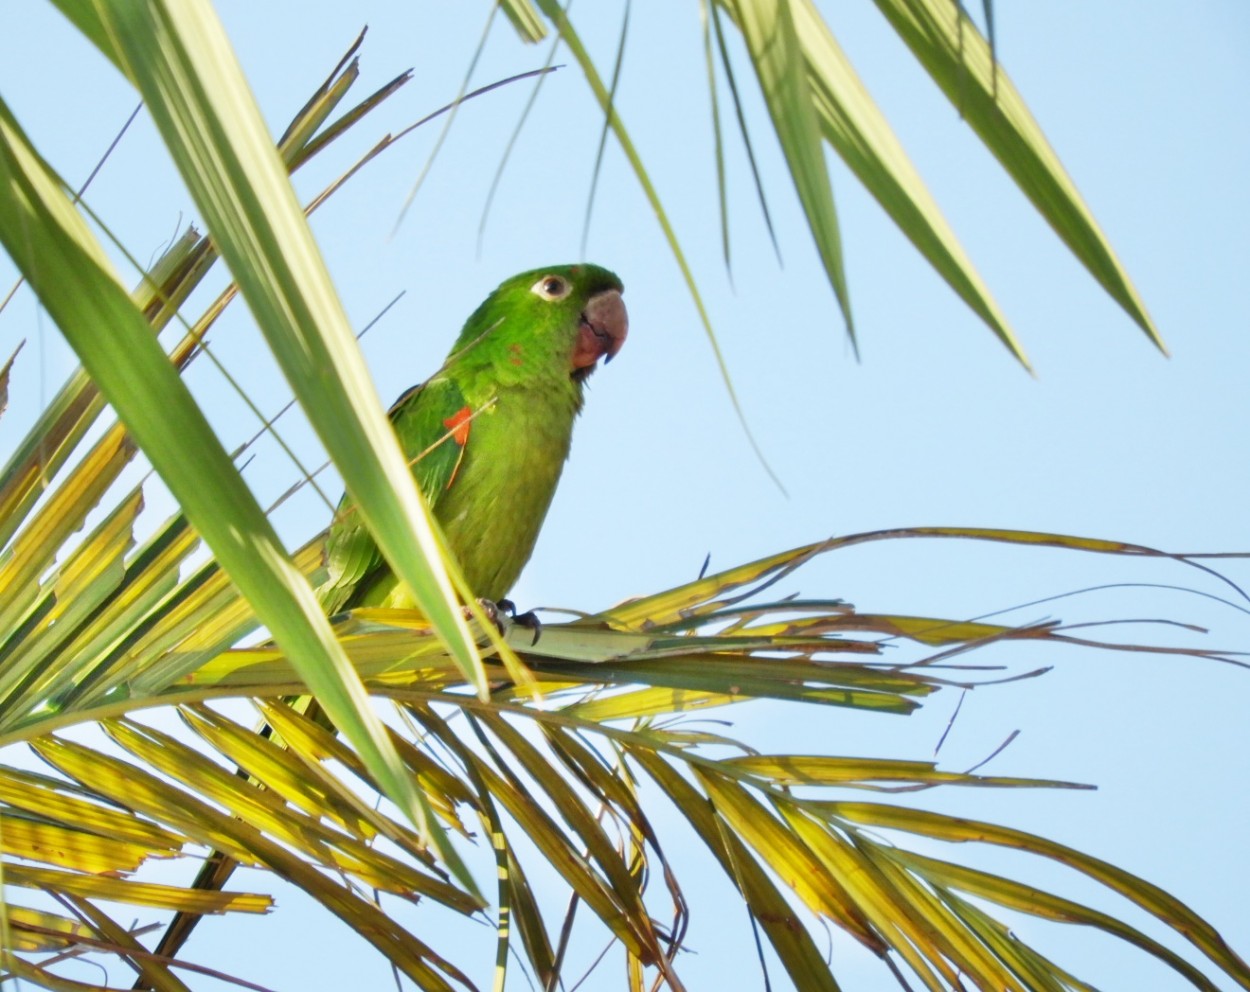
(815, 96)
(198, 98)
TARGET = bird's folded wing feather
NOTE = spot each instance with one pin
(433, 423)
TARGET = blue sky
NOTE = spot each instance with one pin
(935, 424)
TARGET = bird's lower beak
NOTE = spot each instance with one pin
(604, 327)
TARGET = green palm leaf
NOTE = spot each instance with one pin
(110, 629)
(814, 96)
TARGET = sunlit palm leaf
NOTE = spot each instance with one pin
(812, 92)
(772, 38)
(33, 930)
(960, 60)
(134, 372)
(763, 816)
(855, 127)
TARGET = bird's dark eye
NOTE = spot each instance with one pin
(552, 287)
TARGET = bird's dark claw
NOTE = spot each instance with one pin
(529, 620)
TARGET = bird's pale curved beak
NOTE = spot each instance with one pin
(604, 327)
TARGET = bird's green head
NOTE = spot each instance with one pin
(554, 321)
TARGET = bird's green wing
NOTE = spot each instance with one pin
(433, 422)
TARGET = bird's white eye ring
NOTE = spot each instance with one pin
(552, 288)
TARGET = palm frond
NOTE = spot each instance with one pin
(564, 774)
(814, 96)
(107, 631)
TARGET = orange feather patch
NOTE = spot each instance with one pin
(458, 426)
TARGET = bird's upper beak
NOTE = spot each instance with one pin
(604, 326)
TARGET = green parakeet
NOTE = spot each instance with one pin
(488, 434)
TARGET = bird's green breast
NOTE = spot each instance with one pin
(492, 512)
